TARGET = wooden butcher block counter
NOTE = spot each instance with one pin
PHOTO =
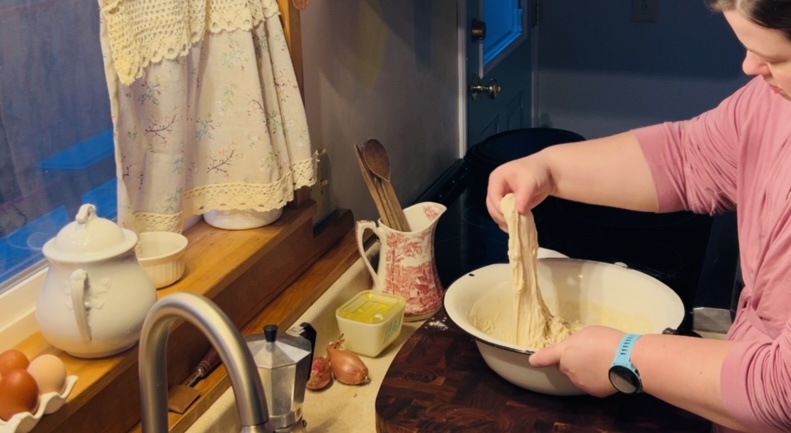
(438, 382)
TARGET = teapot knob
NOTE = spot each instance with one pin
(86, 213)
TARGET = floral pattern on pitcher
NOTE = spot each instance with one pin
(431, 212)
(417, 283)
(407, 266)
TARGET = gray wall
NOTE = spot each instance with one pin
(600, 73)
(386, 70)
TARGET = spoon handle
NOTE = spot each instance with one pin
(390, 219)
(397, 212)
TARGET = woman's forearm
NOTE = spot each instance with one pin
(609, 171)
(685, 372)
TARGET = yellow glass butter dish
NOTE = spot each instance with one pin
(370, 321)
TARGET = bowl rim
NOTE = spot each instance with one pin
(477, 338)
(491, 341)
(183, 242)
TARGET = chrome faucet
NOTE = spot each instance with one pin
(233, 351)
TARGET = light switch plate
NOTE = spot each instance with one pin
(644, 11)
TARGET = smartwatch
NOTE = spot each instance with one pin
(623, 376)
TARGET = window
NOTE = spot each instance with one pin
(505, 29)
(56, 147)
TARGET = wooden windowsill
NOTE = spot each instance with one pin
(266, 275)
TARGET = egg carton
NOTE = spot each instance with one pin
(48, 403)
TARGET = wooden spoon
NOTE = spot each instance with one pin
(380, 195)
(376, 158)
(374, 187)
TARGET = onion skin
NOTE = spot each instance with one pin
(320, 374)
(346, 366)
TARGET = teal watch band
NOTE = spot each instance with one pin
(623, 375)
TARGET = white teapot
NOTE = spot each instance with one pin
(96, 295)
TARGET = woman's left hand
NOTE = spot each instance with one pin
(585, 357)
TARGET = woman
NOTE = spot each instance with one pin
(735, 157)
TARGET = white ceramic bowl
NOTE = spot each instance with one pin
(161, 254)
(241, 219)
(592, 293)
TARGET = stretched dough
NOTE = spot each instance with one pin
(536, 327)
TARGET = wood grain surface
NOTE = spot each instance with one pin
(438, 382)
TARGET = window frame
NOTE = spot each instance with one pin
(508, 42)
(17, 309)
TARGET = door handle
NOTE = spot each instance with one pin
(477, 30)
(477, 86)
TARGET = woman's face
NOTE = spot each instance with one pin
(768, 52)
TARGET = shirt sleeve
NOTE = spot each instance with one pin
(755, 383)
(693, 162)
(709, 164)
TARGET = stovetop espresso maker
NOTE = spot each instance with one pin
(284, 361)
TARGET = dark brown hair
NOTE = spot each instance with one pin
(772, 14)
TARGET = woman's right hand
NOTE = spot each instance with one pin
(529, 178)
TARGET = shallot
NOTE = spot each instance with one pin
(320, 373)
(346, 367)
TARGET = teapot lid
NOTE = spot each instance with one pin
(88, 238)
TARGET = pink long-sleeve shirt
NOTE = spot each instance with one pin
(738, 156)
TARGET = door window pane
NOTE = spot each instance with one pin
(504, 25)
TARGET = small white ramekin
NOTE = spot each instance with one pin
(161, 254)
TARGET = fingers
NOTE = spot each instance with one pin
(518, 177)
(496, 189)
(545, 357)
(522, 204)
(503, 180)
(493, 206)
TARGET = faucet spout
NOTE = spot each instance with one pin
(233, 351)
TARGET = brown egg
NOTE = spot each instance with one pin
(13, 360)
(49, 372)
(18, 393)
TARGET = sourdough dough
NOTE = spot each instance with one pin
(536, 327)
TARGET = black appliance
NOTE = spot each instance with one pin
(670, 247)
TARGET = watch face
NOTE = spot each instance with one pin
(624, 379)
